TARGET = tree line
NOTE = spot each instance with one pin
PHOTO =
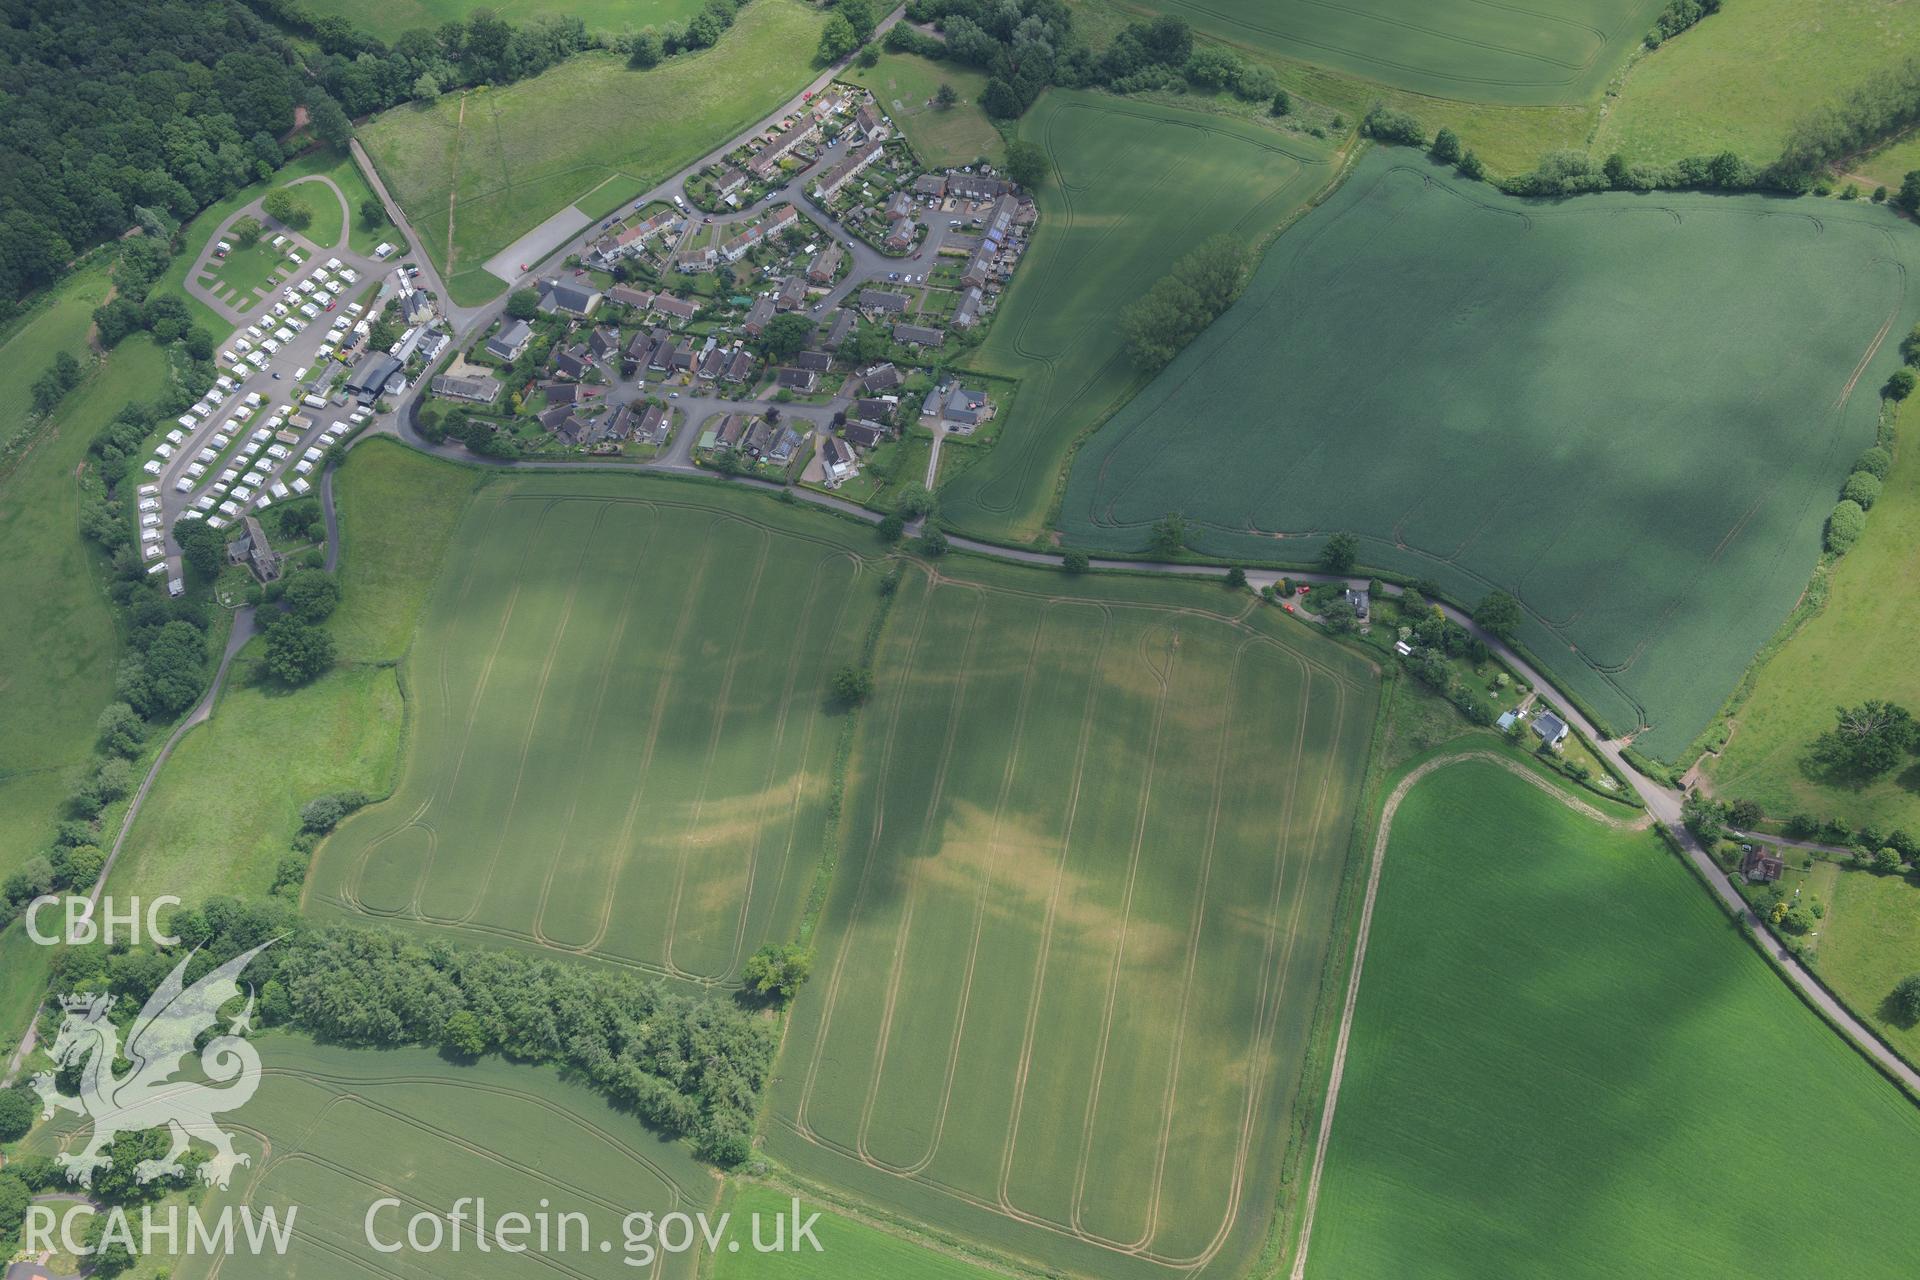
(1172, 313)
(691, 1066)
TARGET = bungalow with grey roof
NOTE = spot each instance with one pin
(479, 389)
(739, 368)
(568, 299)
(918, 335)
(678, 308)
(842, 327)
(881, 300)
(801, 380)
(818, 361)
(864, 434)
(757, 316)
(820, 270)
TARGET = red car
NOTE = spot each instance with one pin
(1302, 589)
(1288, 606)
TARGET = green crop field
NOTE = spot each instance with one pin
(943, 137)
(621, 735)
(1744, 76)
(1632, 413)
(496, 163)
(1132, 185)
(333, 1130)
(1554, 53)
(387, 19)
(1858, 647)
(1094, 833)
(1565, 1061)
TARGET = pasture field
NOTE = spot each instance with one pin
(398, 509)
(1887, 166)
(1743, 77)
(485, 167)
(1868, 942)
(58, 321)
(1632, 412)
(224, 809)
(622, 732)
(332, 1130)
(1857, 647)
(1460, 49)
(946, 137)
(1566, 1061)
(1071, 957)
(849, 1249)
(60, 644)
(1131, 183)
(388, 19)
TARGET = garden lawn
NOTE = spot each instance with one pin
(1858, 646)
(943, 137)
(1557, 53)
(1868, 942)
(1634, 413)
(493, 164)
(60, 645)
(398, 509)
(1131, 184)
(1566, 1061)
(323, 207)
(1743, 77)
(1095, 829)
(226, 807)
(333, 1130)
(849, 1249)
(388, 19)
(622, 731)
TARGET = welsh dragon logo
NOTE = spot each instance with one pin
(147, 1097)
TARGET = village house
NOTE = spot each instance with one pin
(962, 406)
(739, 368)
(568, 299)
(603, 341)
(793, 292)
(836, 460)
(628, 296)
(881, 301)
(868, 121)
(844, 172)
(800, 380)
(976, 186)
(777, 148)
(841, 328)
(967, 314)
(479, 389)
(933, 186)
(730, 183)
(757, 316)
(876, 408)
(758, 437)
(864, 434)
(786, 441)
(675, 308)
(1761, 867)
(712, 363)
(820, 270)
(817, 361)
(653, 425)
(732, 428)
(881, 377)
(511, 341)
(918, 335)
(570, 362)
(1550, 729)
(693, 261)
(900, 236)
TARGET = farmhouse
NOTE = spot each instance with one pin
(510, 341)
(1761, 867)
(844, 172)
(479, 389)
(1550, 728)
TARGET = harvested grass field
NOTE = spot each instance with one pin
(227, 804)
(1094, 833)
(496, 163)
(1858, 647)
(1131, 183)
(1565, 1061)
(943, 137)
(1608, 407)
(332, 1130)
(387, 19)
(622, 736)
(1744, 76)
(1563, 52)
